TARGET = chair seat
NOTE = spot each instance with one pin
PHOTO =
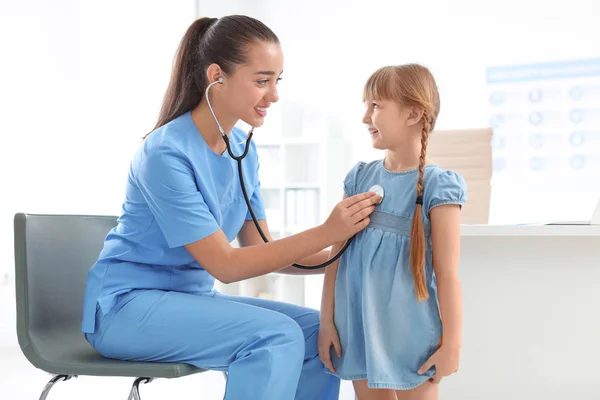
(67, 352)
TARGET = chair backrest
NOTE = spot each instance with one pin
(53, 254)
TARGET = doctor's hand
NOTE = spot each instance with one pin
(350, 216)
(328, 336)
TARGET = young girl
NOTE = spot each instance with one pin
(396, 289)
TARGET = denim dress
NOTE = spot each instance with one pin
(385, 333)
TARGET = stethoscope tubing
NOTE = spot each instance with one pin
(238, 160)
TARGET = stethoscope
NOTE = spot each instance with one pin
(377, 188)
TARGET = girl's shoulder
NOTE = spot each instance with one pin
(361, 171)
(443, 186)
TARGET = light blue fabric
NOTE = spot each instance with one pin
(385, 333)
(269, 349)
(178, 191)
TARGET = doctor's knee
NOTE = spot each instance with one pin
(292, 333)
(288, 336)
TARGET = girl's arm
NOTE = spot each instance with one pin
(327, 299)
(445, 242)
(328, 335)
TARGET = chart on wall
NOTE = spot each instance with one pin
(546, 120)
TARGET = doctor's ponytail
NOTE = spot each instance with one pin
(208, 41)
(411, 85)
(183, 93)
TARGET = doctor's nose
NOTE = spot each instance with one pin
(272, 96)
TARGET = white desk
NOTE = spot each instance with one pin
(531, 313)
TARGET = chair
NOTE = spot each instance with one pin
(53, 254)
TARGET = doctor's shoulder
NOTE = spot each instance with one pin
(167, 147)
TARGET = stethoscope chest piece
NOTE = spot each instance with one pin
(378, 190)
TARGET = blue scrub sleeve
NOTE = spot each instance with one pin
(166, 179)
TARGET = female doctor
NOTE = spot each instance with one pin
(150, 295)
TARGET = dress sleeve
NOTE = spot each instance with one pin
(448, 187)
(350, 182)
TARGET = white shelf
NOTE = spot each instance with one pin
(278, 142)
(298, 186)
(303, 186)
(530, 230)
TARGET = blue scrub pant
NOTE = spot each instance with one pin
(268, 348)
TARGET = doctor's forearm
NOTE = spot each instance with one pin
(248, 262)
(314, 259)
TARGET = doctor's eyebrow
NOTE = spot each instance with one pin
(269, 73)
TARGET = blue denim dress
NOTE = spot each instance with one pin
(385, 333)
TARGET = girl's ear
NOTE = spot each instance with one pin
(415, 116)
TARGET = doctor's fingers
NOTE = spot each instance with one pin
(364, 205)
(348, 202)
(361, 217)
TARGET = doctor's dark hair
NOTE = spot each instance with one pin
(207, 41)
(411, 85)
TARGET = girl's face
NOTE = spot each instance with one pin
(252, 87)
(389, 123)
(384, 123)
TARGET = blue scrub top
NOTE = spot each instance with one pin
(178, 192)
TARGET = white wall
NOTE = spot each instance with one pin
(81, 84)
(331, 50)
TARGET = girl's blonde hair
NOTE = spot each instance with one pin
(411, 85)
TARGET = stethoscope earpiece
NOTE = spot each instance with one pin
(220, 80)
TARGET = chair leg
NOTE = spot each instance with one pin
(135, 388)
(51, 383)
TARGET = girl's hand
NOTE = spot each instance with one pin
(445, 360)
(328, 336)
